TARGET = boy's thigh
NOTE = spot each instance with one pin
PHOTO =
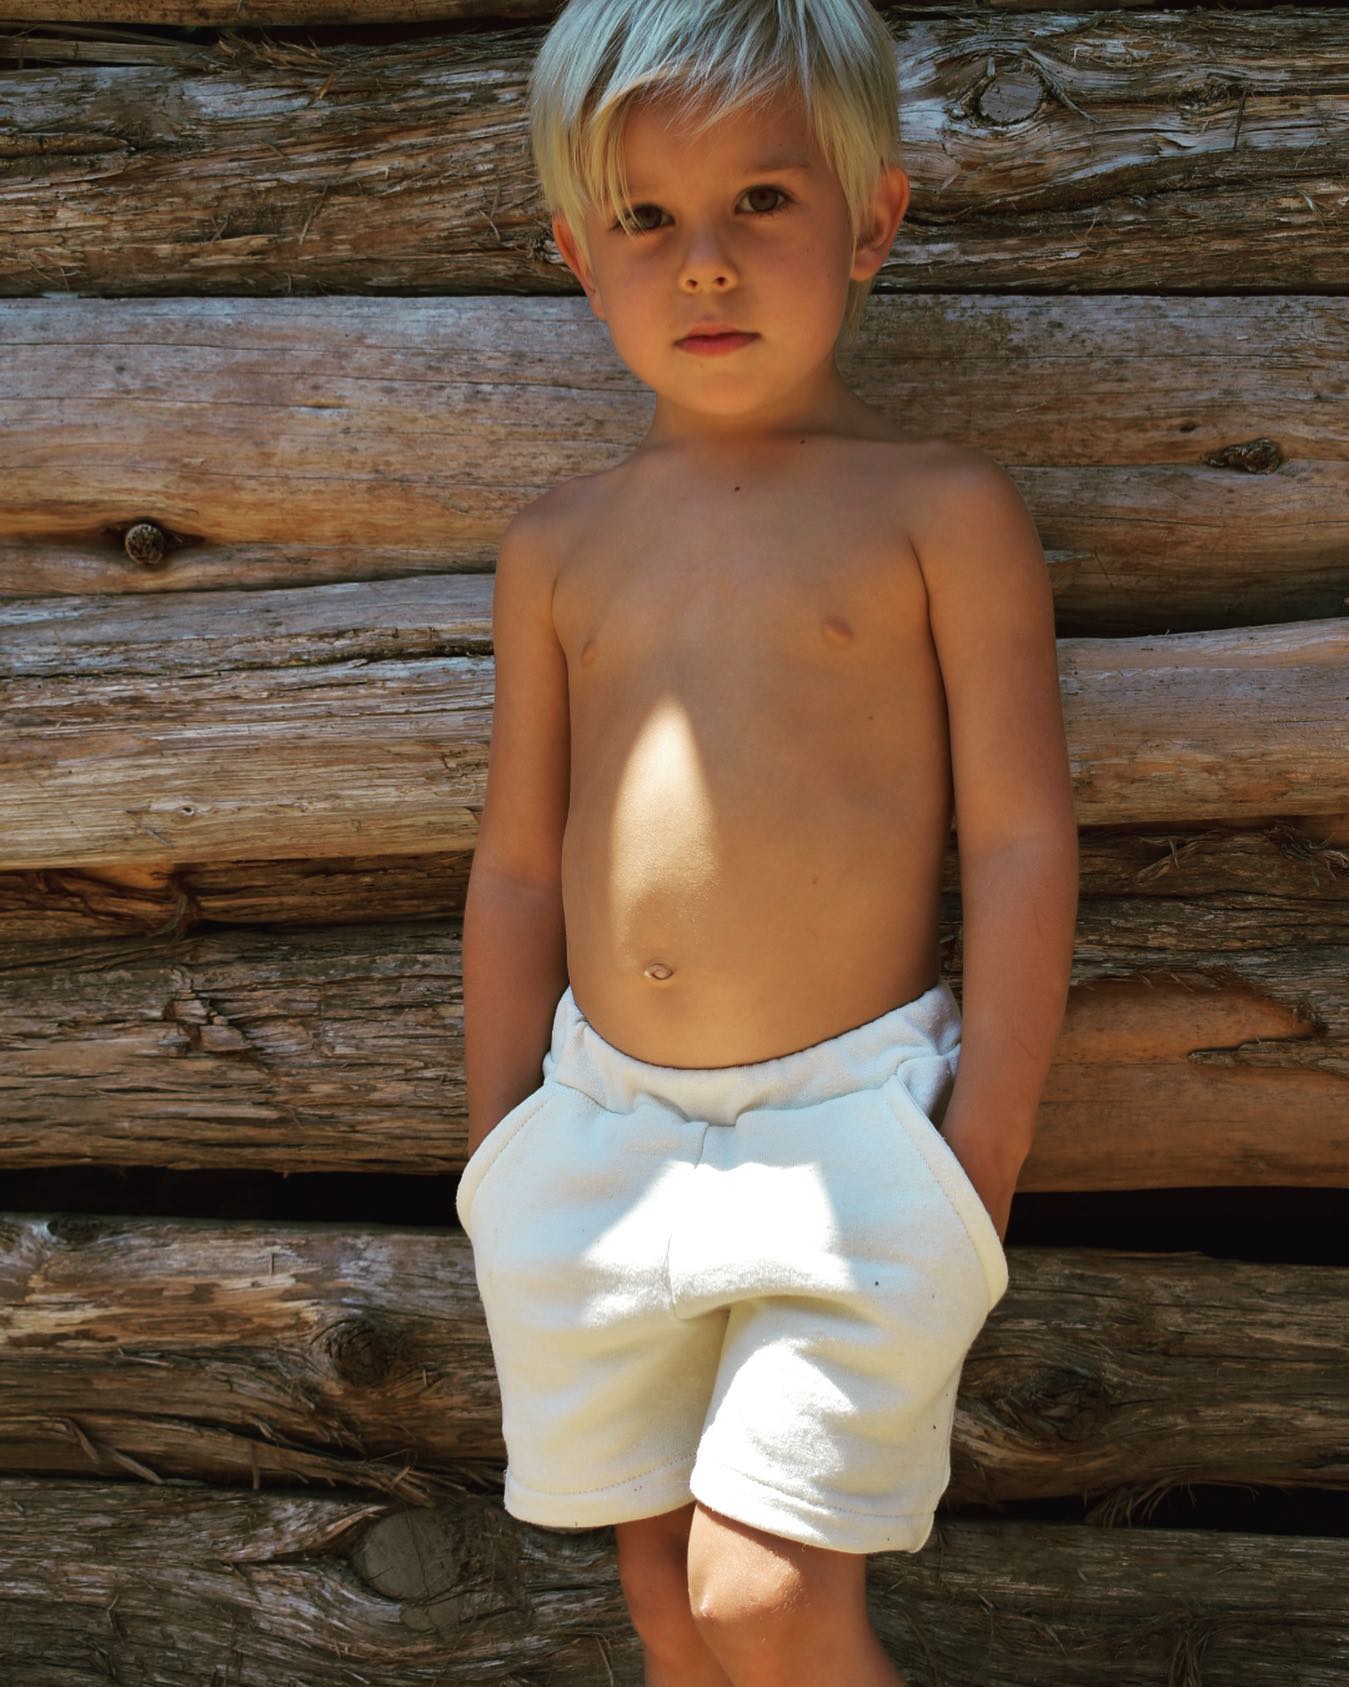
(831, 1417)
(604, 1387)
(665, 1536)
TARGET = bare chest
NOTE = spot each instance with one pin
(779, 612)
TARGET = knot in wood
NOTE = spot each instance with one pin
(1011, 96)
(1210, 94)
(1060, 1404)
(1252, 456)
(416, 1556)
(360, 1351)
(448, 1566)
(78, 1230)
(146, 543)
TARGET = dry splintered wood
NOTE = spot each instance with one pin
(1184, 458)
(279, 1354)
(1279, 885)
(187, 1585)
(360, 719)
(1206, 1040)
(194, 1584)
(1104, 150)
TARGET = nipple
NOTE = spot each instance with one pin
(658, 969)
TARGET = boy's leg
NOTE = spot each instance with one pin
(780, 1613)
(653, 1572)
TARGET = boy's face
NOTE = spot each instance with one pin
(728, 231)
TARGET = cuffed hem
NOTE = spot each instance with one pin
(663, 1489)
(796, 1519)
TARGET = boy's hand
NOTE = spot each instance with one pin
(992, 1164)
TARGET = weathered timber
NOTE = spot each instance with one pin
(1279, 886)
(1186, 459)
(1205, 1042)
(82, 36)
(285, 1353)
(133, 733)
(1108, 151)
(184, 1586)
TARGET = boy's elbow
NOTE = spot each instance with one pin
(484, 874)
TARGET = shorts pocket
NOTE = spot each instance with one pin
(953, 1180)
(481, 1162)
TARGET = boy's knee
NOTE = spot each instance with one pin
(727, 1609)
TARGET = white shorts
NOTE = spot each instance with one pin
(754, 1286)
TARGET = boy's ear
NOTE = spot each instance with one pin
(889, 203)
(571, 252)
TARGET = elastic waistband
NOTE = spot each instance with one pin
(864, 1057)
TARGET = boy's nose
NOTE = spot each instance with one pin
(705, 250)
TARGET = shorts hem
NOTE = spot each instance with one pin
(664, 1489)
(796, 1519)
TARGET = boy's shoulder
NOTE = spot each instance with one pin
(953, 502)
(982, 562)
(960, 504)
(542, 530)
(545, 515)
(538, 537)
(946, 466)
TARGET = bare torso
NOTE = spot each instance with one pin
(760, 769)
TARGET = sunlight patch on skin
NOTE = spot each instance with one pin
(664, 833)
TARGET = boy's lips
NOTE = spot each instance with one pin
(711, 341)
(711, 326)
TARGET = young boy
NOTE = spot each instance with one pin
(734, 1247)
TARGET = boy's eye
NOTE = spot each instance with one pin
(632, 224)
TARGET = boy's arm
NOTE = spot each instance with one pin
(514, 947)
(991, 611)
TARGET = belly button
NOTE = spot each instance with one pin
(658, 969)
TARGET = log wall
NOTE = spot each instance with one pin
(284, 343)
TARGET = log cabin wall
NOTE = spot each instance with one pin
(284, 343)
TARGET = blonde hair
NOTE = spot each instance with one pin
(601, 56)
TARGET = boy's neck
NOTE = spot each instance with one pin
(833, 411)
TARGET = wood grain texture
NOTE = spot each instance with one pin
(286, 1352)
(1144, 891)
(246, 540)
(250, 725)
(340, 1049)
(180, 1584)
(1186, 460)
(1109, 150)
(78, 20)
(319, 1027)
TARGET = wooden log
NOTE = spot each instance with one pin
(82, 32)
(185, 1586)
(358, 718)
(1134, 151)
(247, 1351)
(130, 1041)
(52, 906)
(1179, 477)
(1280, 886)
(340, 1049)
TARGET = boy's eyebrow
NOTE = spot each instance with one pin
(779, 167)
